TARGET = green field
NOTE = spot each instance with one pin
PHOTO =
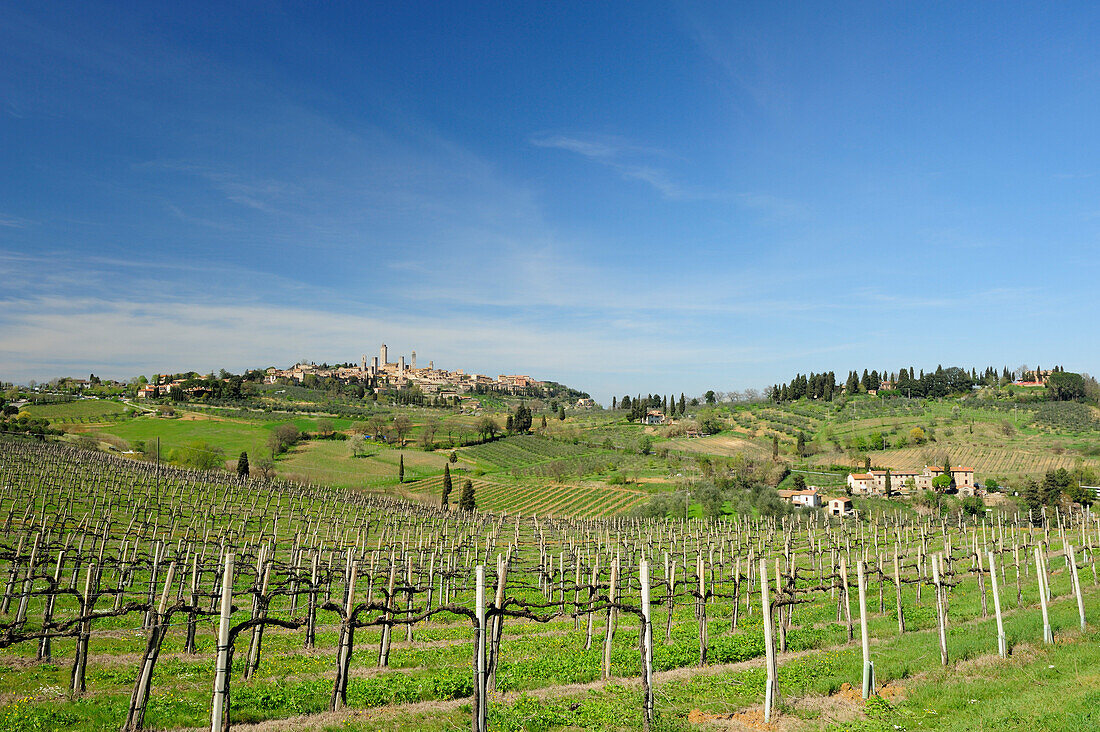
(331, 462)
(80, 409)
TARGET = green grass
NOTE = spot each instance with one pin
(85, 409)
(331, 462)
(232, 435)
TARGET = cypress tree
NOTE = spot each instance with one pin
(401, 469)
(242, 465)
(467, 502)
(561, 413)
(446, 485)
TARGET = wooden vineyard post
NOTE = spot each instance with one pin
(221, 669)
(14, 571)
(480, 696)
(409, 603)
(498, 621)
(28, 582)
(609, 631)
(844, 599)
(868, 666)
(347, 631)
(1072, 557)
(591, 602)
(259, 608)
(80, 657)
(647, 648)
(1002, 646)
(671, 575)
(981, 581)
(771, 686)
(701, 611)
(1040, 575)
(941, 615)
(736, 593)
(311, 607)
(897, 590)
(135, 714)
(47, 612)
(384, 643)
(192, 618)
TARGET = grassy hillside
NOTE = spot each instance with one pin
(597, 463)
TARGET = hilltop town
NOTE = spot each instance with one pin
(381, 372)
(378, 374)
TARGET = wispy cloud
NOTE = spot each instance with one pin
(13, 222)
(255, 192)
(126, 337)
(629, 160)
(649, 165)
(744, 55)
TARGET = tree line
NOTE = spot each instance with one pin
(909, 382)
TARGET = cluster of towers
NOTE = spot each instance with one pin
(380, 364)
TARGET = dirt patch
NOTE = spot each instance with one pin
(889, 692)
(746, 719)
(846, 705)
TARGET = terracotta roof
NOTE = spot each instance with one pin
(862, 476)
(790, 494)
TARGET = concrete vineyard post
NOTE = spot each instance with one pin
(1040, 575)
(479, 711)
(221, 667)
(647, 647)
(771, 691)
(1071, 557)
(941, 613)
(1002, 648)
(868, 666)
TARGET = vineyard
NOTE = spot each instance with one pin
(142, 597)
(717, 445)
(989, 461)
(541, 498)
(521, 451)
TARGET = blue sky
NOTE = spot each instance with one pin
(624, 197)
